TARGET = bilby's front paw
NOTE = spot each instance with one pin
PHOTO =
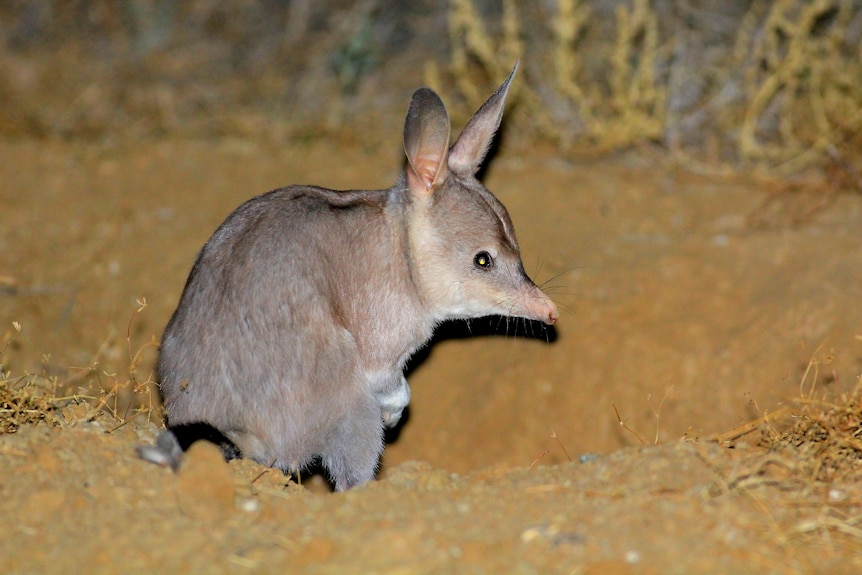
(392, 404)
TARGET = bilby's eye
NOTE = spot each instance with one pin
(483, 260)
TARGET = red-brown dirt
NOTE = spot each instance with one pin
(688, 310)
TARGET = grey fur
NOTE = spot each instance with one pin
(301, 311)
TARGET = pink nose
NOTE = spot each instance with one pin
(551, 318)
(540, 307)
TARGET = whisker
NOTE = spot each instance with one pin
(545, 284)
(557, 290)
(555, 277)
(539, 263)
(565, 308)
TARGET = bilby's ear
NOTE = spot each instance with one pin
(468, 152)
(426, 141)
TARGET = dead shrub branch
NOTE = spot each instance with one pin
(773, 87)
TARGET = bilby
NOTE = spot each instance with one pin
(300, 312)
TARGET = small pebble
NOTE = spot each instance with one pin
(836, 495)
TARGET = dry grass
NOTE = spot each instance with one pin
(818, 434)
(822, 435)
(26, 399)
(770, 86)
(774, 86)
(809, 458)
(34, 399)
(824, 438)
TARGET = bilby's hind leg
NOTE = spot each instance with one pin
(353, 453)
(174, 441)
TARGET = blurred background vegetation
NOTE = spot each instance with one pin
(721, 83)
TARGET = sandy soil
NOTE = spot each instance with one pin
(692, 304)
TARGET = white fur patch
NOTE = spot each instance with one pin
(392, 404)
